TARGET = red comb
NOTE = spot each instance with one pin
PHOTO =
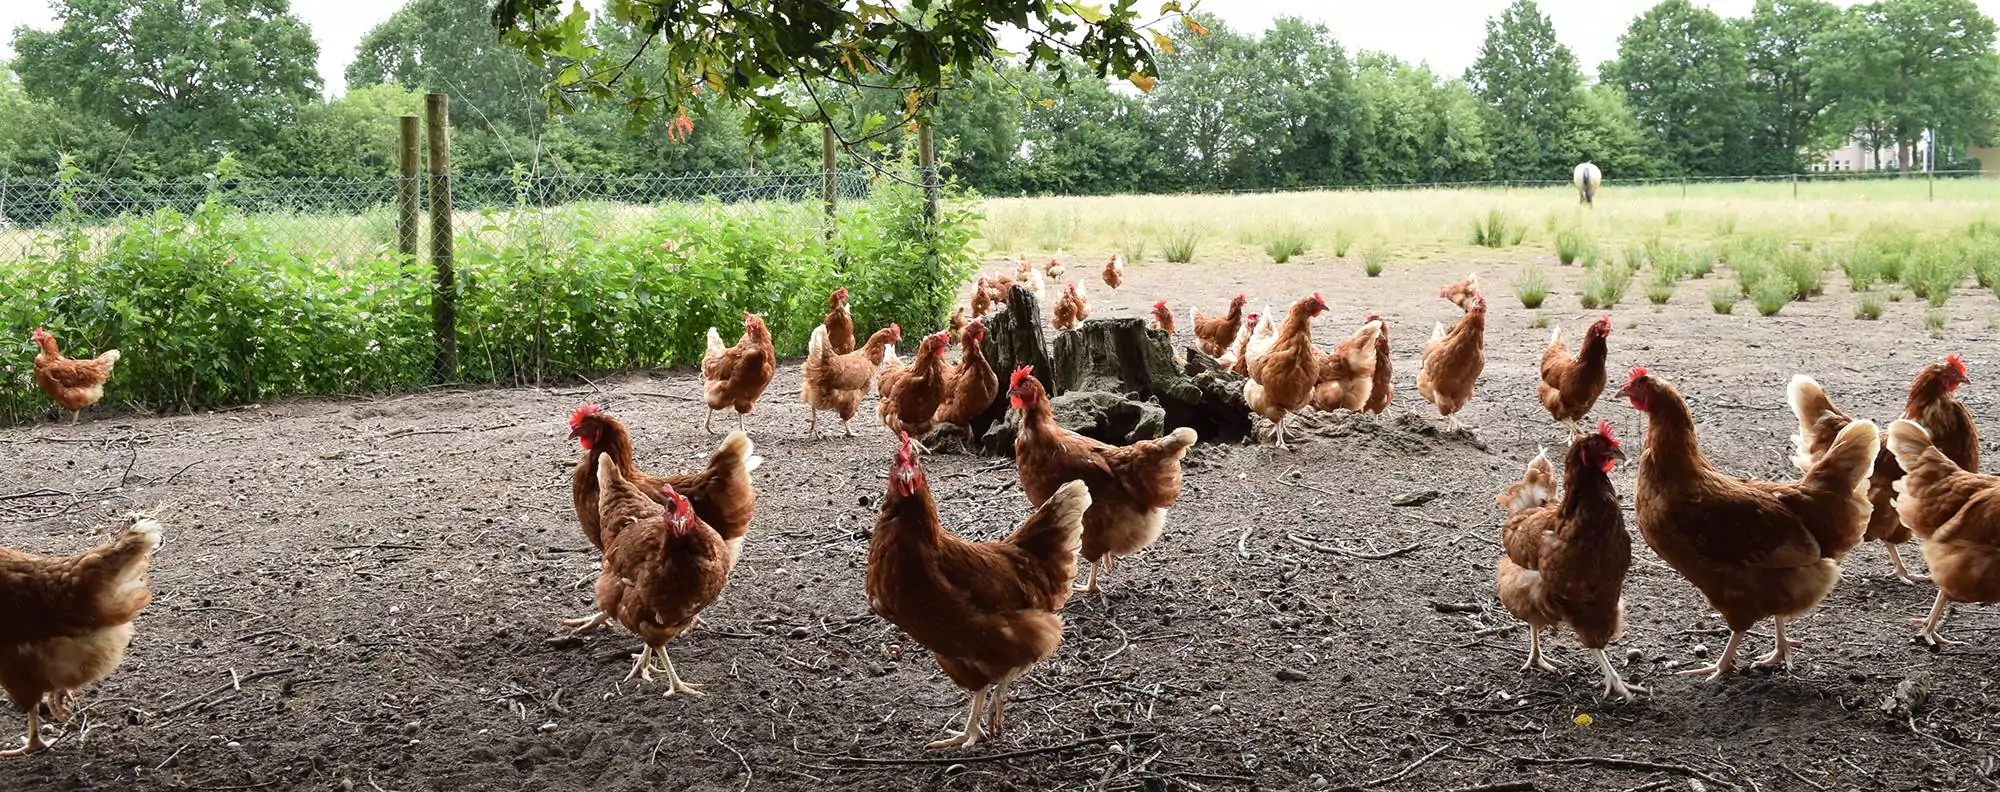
(1956, 362)
(840, 292)
(1159, 305)
(1604, 430)
(1020, 375)
(585, 411)
(1637, 372)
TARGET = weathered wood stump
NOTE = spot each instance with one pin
(1013, 339)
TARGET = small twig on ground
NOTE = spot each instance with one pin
(1326, 548)
(411, 431)
(1624, 764)
(177, 473)
(233, 683)
(1390, 779)
(950, 760)
(747, 775)
(1801, 777)
(1242, 549)
(1457, 607)
(1502, 786)
(658, 395)
(382, 547)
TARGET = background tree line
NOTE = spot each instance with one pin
(163, 88)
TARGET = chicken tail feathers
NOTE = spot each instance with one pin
(1556, 335)
(1055, 529)
(735, 453)
(1850, 459)
(715, 344)
(1179, 440)
(109, 359)
(1809, 404)
(1437, 334)
(1910, 441)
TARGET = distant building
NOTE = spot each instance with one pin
(1856, 155)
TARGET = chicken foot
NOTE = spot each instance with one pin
(1613, 684)
(1722, 664)
(34, 742)
(1281, 432)
(583, 624)
(1930, 624)
(1782, 655)
(1902, 572)
(708, 424)
(644, 669)
(972, 733)
(59, 702)
(1535, 659)
(812, 429)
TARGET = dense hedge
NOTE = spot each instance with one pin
(208, 311)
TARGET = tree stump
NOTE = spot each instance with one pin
(1013, 339)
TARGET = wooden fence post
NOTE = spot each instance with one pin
(444, 290)
(409, 191)
(829, 189)
(927, 161)
(1795, 186)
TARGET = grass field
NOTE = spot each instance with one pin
(1437, 224)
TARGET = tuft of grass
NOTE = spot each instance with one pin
(1895, 295)
(1726, 224)
(1373, 258)
(1660, 287)
(1862, 269)
(1934, 270)
(1283, 245)
(1604, 287)
(1531, 287)
(1591, 258)
(1890, 248)
(1805, 272)
(1134, 249)
(1698, 263)
(1497, 229)
(1571, 242)
(1539, 322)
(1179, 248)
(1342, 241)
(1770, 296)
(1934, 321)
(1750, 273)
(1723, 296)
(1635, 257)
(1870, 306)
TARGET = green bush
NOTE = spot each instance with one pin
(1750, 273)
(1889, 249)
(1933, 270)
(1770, 296)
(1179, 247)
(207, 311)
(1861, 267)
(1531, 287)
(1283, 245)
(1497, 229)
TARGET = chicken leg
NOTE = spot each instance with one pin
(848, 427)
(739, 422)
(674, 682)
(1090, 583)
(583, 624)
(1575, 429)
(1613, 685)
(1722, 664)
(972, 733)
(1930, 624)
(996, 709)
(1535, 659)
(34, 742)
(1896, 559)
(1782, 655)
(708, 424)
(812, 429)
(59, 702)
(74, 415)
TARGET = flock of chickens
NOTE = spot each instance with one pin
(989, 611)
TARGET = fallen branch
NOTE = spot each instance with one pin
(1387, 780)
(1624, 764)
(952, 760)
(658, 395)
(1327, 548)
(1502, 786)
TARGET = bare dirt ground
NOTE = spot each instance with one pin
(363, 594)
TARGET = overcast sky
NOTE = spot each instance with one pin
(1445, 33)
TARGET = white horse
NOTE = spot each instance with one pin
(1587, 177)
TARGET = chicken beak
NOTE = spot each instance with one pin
(1618, 454)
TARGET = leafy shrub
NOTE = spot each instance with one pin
(1723, 296)
(1870, 306)
(1373, 258)
(1571, 242)
(1282, 245)
(207, 311)
(1179, 247)
(1531, 287)
(1497, 229)
(1770, 295)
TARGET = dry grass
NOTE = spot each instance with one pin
(1430, 225)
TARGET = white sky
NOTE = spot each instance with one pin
(1444, 33)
